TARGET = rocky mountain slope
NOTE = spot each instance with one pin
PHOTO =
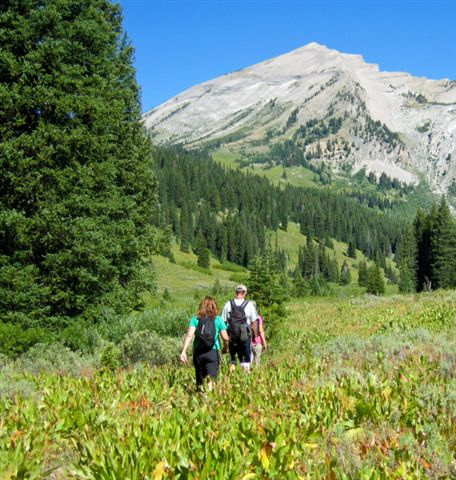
(329, 107)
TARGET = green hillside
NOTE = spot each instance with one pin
(403, 204)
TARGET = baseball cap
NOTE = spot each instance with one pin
(241, 288)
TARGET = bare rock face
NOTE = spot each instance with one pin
(335, 107)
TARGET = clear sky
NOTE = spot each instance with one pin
(182, 43)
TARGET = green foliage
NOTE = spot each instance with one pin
(354, 389)
(110, 357)
(351, 252)
(375, 281)
(443, 248)
(166, 295)
(147, 346)
(202, 251)
(15, 340)
(77, 189)
(235, 209)
(427, 253)
(362, 273)
(264, 280)
(345, 275)
(407, 262)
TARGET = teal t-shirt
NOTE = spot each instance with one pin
(219, 327)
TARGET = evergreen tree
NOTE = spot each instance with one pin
(362, 273)
(264, 282)
(345, 275)
(202, 251)
(443, 247)
(375, 282)
(407, 262)
(423, 226)
(351, 252)
(333, 270)
(299, 284)
(183, 222)
(77, 192)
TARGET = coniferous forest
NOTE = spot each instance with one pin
(427, 253)
(234, 209)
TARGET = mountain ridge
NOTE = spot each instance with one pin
(387, 122)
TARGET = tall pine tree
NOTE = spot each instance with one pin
(443, 247)
(407, 262)
(77, 193)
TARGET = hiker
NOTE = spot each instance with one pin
(206, 326)
(259, 344)
(241, 318)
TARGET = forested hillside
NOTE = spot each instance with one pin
(231, 210)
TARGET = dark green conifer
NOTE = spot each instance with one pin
(362, 273)
(202, 251)
(77, 190)
(351, 252)
(443, 247)
(407, 262)
(375, 282)
(265, 283)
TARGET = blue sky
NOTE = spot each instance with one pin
(182, 43)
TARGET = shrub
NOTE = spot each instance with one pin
(80, 335)
(15, 340)
(146, 346)
(110, 356)
(55, 358)
(166, 321)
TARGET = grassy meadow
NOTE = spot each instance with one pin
(358, 388)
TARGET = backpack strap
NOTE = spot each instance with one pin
(244, 304)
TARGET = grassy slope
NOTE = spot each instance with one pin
(184, 280)
(422, 197)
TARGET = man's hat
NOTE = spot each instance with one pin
(241, 288)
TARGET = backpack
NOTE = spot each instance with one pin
(205, 334)
(238, 329)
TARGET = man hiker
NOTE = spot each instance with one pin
(241, 318)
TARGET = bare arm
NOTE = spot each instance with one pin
(254, 327)
(225, 339)
(263, 337)
(187, 340)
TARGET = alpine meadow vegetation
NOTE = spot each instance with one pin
(353, 389)
(358, 383)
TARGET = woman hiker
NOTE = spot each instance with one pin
(206, 326)
(259, 344)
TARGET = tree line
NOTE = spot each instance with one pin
(427, 252)
(232, 209)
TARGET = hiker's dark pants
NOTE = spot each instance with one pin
(206, 365)
(240, 350)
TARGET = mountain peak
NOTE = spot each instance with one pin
(382, 121)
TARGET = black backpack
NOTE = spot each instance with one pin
(238, 329)
(205, 334)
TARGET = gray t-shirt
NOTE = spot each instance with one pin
(250, 311)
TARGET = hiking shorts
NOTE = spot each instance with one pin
(206, 365)
(241, 351)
